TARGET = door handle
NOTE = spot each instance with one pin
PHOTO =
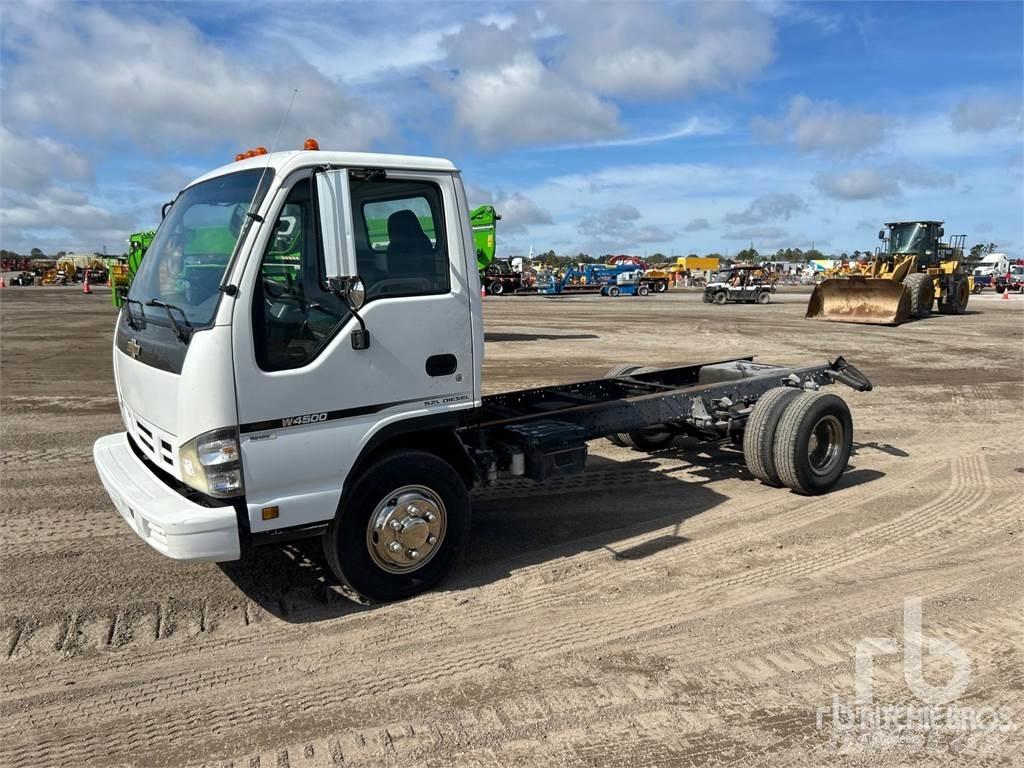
(442, 365)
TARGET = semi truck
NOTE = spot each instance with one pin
(344, 400)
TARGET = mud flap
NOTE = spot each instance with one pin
(860, 300)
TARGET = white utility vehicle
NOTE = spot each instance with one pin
(300, 354)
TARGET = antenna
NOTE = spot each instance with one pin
(273, 146)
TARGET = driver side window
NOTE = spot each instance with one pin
(292, 314)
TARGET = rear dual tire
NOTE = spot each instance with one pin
(801, 440)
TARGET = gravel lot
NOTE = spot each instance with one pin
(658, 610)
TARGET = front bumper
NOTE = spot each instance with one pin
(166, 520)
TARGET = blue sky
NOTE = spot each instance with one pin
(604, 127)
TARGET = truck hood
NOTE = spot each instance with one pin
(162, 408)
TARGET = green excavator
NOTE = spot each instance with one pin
(912, 272)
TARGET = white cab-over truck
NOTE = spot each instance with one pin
(300, 354)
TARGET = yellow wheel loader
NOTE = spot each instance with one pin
(912, 271)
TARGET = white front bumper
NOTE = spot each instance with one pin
(166, 520)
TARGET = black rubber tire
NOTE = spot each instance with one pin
(956, 298)
(922, 294)
(620, 370)
(660, 286)
(345, 544)
(764, 297)
(497, 288)
(759, 434)
(792, 438)
(647, 439)
(707, 299)
(613, 290)
(643, 290)
(720, 298)
(1000, 288)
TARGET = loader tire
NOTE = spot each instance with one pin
(922, 294)
(813, 443)
(620, 370)
(759, 435)
(956, 298)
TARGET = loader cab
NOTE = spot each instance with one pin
(921, 238)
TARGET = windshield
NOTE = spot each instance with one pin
(908, 239)
(186, 261)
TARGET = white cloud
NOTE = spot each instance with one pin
(857, 184)
(636, 51)
(770, 207)
(156, 80)
(518, 212)
(30, 164)
(985, 112)
(521, 102)
(694, 126)
(882, 182)
(59, 219)
(823, 127)
(698, 224)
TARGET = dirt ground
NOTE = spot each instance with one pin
(658, 610)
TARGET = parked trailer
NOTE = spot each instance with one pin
(350, 408)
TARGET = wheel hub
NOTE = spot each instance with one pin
(406, 529)
(823, 446)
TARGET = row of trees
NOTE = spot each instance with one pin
(751, 254)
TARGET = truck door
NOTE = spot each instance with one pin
(307, 400)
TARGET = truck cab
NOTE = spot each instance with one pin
(233, 350)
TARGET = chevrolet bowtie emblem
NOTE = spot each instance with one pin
(133, 349)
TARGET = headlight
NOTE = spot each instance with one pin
(211, 463)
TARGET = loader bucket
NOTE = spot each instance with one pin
(860, 300)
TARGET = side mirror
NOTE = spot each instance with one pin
(881, 234)
(334, 212)
(165, 208)
(334, 209)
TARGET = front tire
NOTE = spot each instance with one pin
(720, 298)
(400, 529)
(497, 288)
(813, 442)
(763, 297)
(922, 294)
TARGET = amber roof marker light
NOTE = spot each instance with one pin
(311, 144)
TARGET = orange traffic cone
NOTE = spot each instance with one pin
(3, 283)
(483, 292)
(85, 284)
(1006, 294)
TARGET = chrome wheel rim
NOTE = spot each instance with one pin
(406, 529)
(825, 445)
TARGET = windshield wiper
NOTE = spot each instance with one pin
(132, 322)
(183, 334)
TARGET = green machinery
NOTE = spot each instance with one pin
(122, 274)
(912, 272)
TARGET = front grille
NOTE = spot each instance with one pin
(158, 446)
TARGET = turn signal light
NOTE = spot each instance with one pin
(311, 144)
